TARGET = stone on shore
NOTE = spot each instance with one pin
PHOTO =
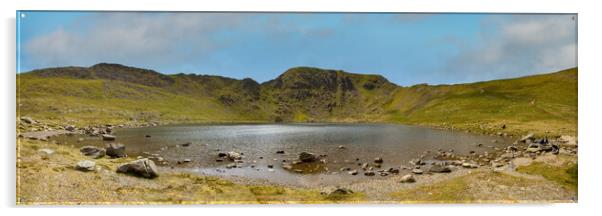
(307, 157)
(417, 171)
(378, 160)
(143, 167)
(439, 169)
(470, 165)
(115, 150)
(85, 166)
(108, 137)
(45, 153)
(233, 156)
(409, 178)
(27, 120)
(340, 191)
(92, 151)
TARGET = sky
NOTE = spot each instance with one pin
(406, 48)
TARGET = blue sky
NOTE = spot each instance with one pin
(405, 48)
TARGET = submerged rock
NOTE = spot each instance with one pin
(142, 167)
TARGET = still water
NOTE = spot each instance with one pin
(396, 144)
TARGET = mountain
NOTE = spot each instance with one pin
(113, 93)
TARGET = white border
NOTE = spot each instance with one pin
(589, 102)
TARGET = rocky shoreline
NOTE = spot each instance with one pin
(445, 165)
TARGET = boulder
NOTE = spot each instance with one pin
(115, 150)
(439, 169)
(92, 151)
(108, 137)
(45, 153)
(409, 178)
(85, 166)
(307, 157)
(141, 167)
(233, 156)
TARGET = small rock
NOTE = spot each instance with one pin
(341, 147)
(340, 191)
(439, 169)
(147, 136)
(186, 144)
(393, 170)
(27, 120)
(108, 137)
(409, 178)
(307, 157)
(85, 166)
(270, 166)
(280, 152)
(469, 165)
(233, 156)
(92, 151)
(45, 153)
(352, 172)
(369, 173)
(378, 160)
(417, 171)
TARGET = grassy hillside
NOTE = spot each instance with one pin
(110, 93)
(544, 104)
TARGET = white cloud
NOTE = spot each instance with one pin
(519, 45)
(138, 38)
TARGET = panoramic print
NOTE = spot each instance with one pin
(283, 108)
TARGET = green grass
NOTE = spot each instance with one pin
(565, 174)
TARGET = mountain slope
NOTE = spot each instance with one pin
(111, 93)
